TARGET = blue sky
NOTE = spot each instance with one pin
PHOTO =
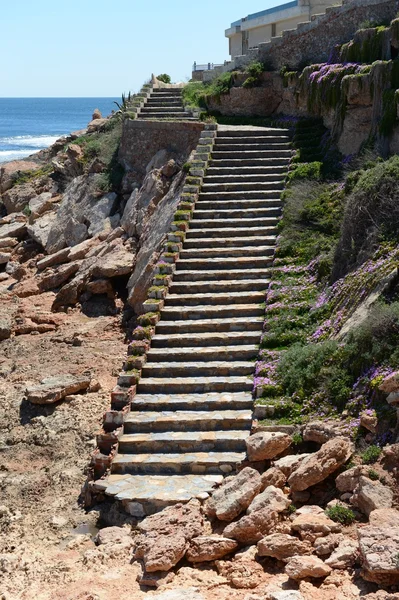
(100, 48)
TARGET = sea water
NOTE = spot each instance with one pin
(28, 125)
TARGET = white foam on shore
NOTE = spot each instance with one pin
(19, 147)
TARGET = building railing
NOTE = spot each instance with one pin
(206, 67)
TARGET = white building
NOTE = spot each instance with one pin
(262, 26)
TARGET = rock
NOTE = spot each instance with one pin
(115, 264)
(10, 170)
(157, 160)
(300, 497)
(242, 574)
(39, 205)
(18, 197)
(53, 389)
(79, 251)
(8, 242)
(160, 552)
(282, 546)
(310, 527)
(379, 551)
(301, 567)
(345, 555)
(186, 518)
(5, 328)
(348, 480)
(208, 548)
(285, 595)
(96, 125)
(39, 231)
(371, 495)
(180, 594)
(274, 477)
(234, 496)
(325, 546)
(309, 509)
(369, 421)
(4, 257)
(246, 553)
(96, 114)
(250, 529)
(55, 277)
(319, 432)
(267, 445)
(156, 579)
(272, 498)
(320, 465)
(114, 535)
(289, 464)
(390, 383)
(169, 169)
(14, 229)
(54, 259)
(384, 517)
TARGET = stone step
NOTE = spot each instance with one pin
(198, 369)
(165, 109)
(255, 161)
(242, 171)
(217, 275)
(226, 242)
(223, 263)
(195, 385)
(194, 462)
(239, 232)
(240, 195)
(217, 353)
(252, 132)
(222, 140)
(164, 101)
(166, 92)
(186, 402)
(214, 325)
(215, 298)
(243, 178)
(194, 313)
(206, 339)
(185, 441)
(166, 115)
(245, 154)
(208, 287)
(245, 145)
(181, 421)
(238, 204)
(230, 214)
(227, 225)
(150, 494)
(228, 251)
(242, 186)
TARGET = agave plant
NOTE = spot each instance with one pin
(124, 105)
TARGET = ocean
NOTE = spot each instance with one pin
(28, 125)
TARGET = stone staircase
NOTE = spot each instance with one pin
(165, 103)
(188, 423)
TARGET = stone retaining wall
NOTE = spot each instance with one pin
(141, 140)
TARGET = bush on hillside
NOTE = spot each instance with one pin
(164, 77)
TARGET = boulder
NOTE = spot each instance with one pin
(39, 231)
(267, 445)
(54, 259)
(319, 432)
(242, 574)
(208, 548)
(274, 477)
(53, 389)
(250, 529)
(272, 498)
(160, 552)
(96, 125)
(348, 480)
(345, 555)
(186, 518)
(114, 535)
(55, 277)
(285, 595)
(283, 546)
(8, 242)
(5, 328)
(4, 257)
(379, 551)
(235, 495)
(96, 114)
(289, 464)
(301, 567)
(18, 197)
(321, 465)
(310, 527)
(390, 383)
(180, 594)
(39, 205)
(115, 264)
(384, 517)
(369, 421)
(13, 229)
(325, 546)
(371, 495)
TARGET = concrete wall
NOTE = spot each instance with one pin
(141, 140)
(235, 43)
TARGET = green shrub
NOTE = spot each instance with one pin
(164, 77)
(255, 69)
(341, 514)
(307, 171)
(373, 475)
(250, 82)
(371, 455)
(297, 438)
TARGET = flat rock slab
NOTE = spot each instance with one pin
(53, 389)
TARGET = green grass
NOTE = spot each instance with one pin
(341, 514)
(371, 455)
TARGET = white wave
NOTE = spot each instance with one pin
(8, 155)
(30, 141)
